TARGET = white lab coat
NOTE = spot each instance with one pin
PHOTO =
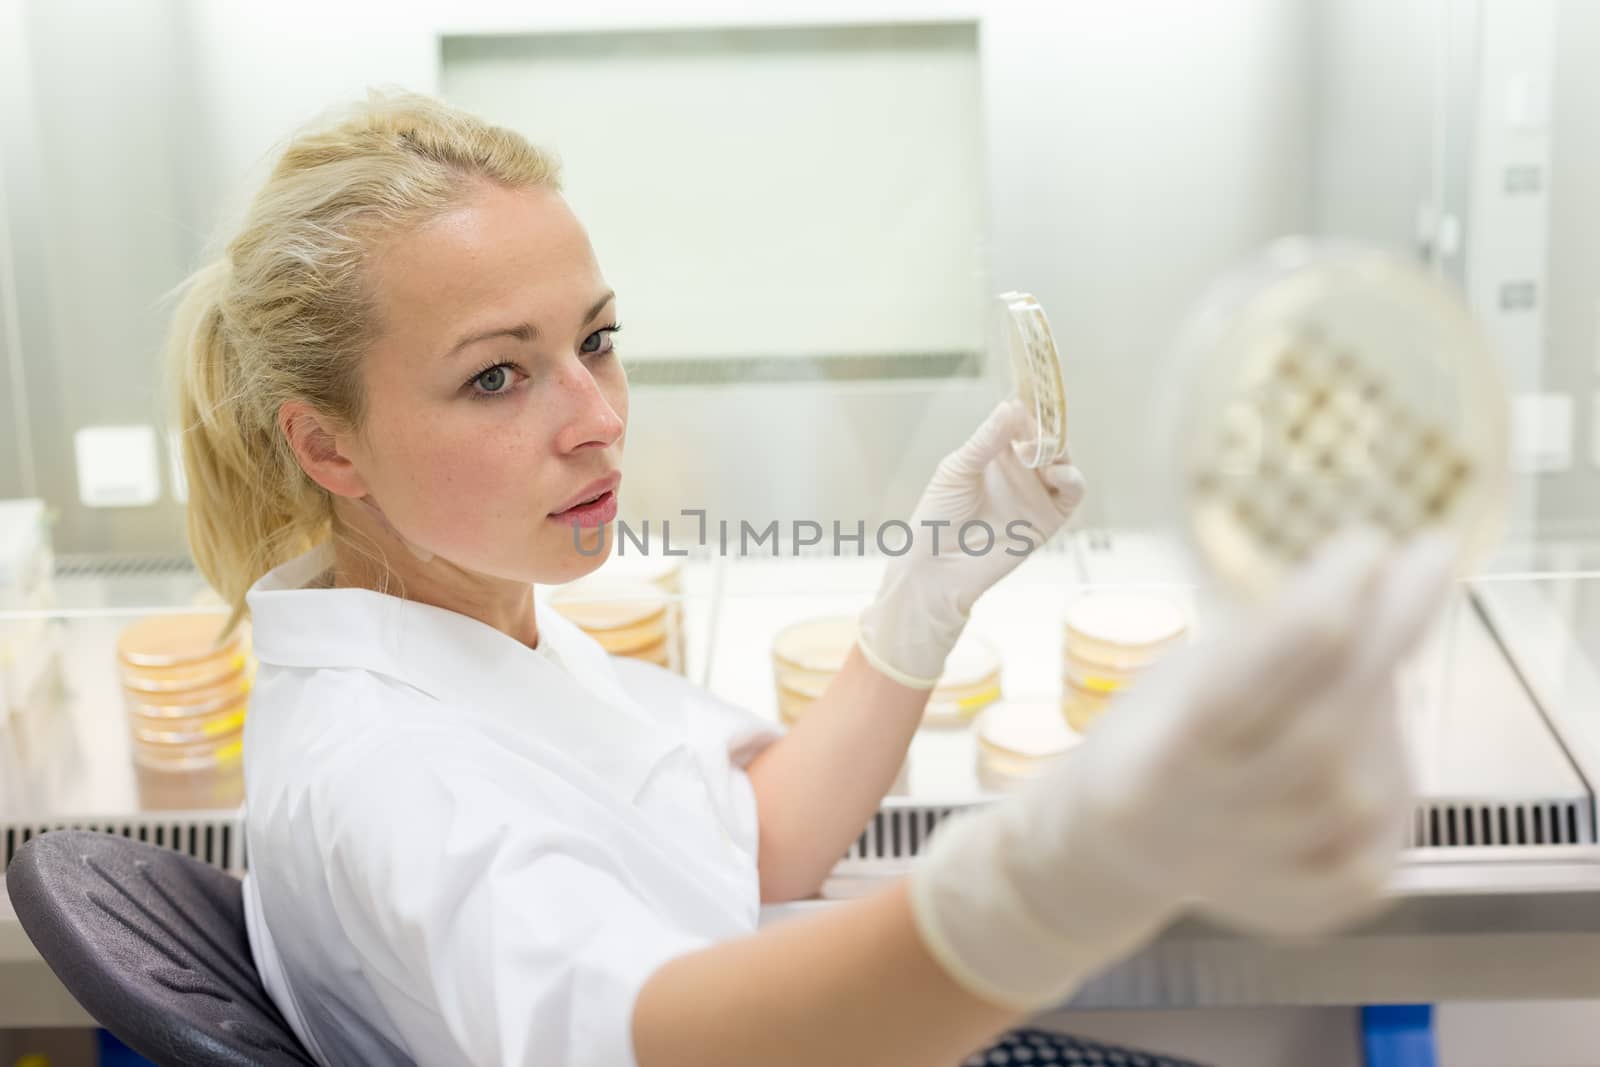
(463, 850)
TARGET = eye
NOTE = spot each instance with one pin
(599, 342)
(492, 381)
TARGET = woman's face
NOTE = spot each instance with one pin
(494, 400)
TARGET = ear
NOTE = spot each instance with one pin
(313, 438)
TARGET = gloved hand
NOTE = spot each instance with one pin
(1257, 776)
(926, 594)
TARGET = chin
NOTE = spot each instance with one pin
(567, 564)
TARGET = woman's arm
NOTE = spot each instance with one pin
(851, 984)
(820, 784)
(817, 788)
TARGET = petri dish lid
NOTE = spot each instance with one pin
(1024, 729)
(1097, 678)
(1328, 383)
(631, 640)
(805, 685)
(160, 641)
(192, 758)
(815, 645)
(658, 652)
(158, 732)
(185, 679)
(664, 572)
(184, 703)
(217, 787)
(949, 709)
(1036, 374)
(821, 646)
(1072, 692)
(1134, 621)
(797, 698)
(944, 702)
(973, 663)
(609, 605)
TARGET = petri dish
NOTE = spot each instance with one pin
(659, 653)
(1095, 677)
(623, 617)
(814, 646)
(187, 703)
(212, 754)
(1036, 374)
(1327, 383)
(194, 730)
(177, 652)
(217, 786)
(182, 718)
(947, 707)
(663, 572)
(1113, 633)
(1081, 707)
(970, 683)
(1016, 739)
(807, 654)
(1111, 637)
(171, 640)
(793, 702)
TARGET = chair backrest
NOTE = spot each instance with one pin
(153, 945)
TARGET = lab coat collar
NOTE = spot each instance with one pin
(564, 693)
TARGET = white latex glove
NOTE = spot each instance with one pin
(1258, 776)
(926, 594)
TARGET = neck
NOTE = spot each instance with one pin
(367, 555)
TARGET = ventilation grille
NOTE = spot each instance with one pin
(1466, 825)
(902, 833)
(218, 841)
(894, 833)
(898, 833)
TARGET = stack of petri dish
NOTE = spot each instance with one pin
(807, 654)
(1017, 739)
(1110, 638)
(186, 689)
(627, 618)
(666, 574)
(805, 657)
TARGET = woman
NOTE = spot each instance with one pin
(475, 838)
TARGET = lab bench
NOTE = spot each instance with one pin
(1498, 897)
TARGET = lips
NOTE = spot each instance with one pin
(597, 512)
(590, 493)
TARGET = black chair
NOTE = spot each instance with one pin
(153, 945)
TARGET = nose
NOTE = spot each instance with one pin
(590, 418)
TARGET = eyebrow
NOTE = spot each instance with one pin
(525, 331)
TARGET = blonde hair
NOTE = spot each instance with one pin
(285, 313)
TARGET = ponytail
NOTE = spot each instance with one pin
(250, 507)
